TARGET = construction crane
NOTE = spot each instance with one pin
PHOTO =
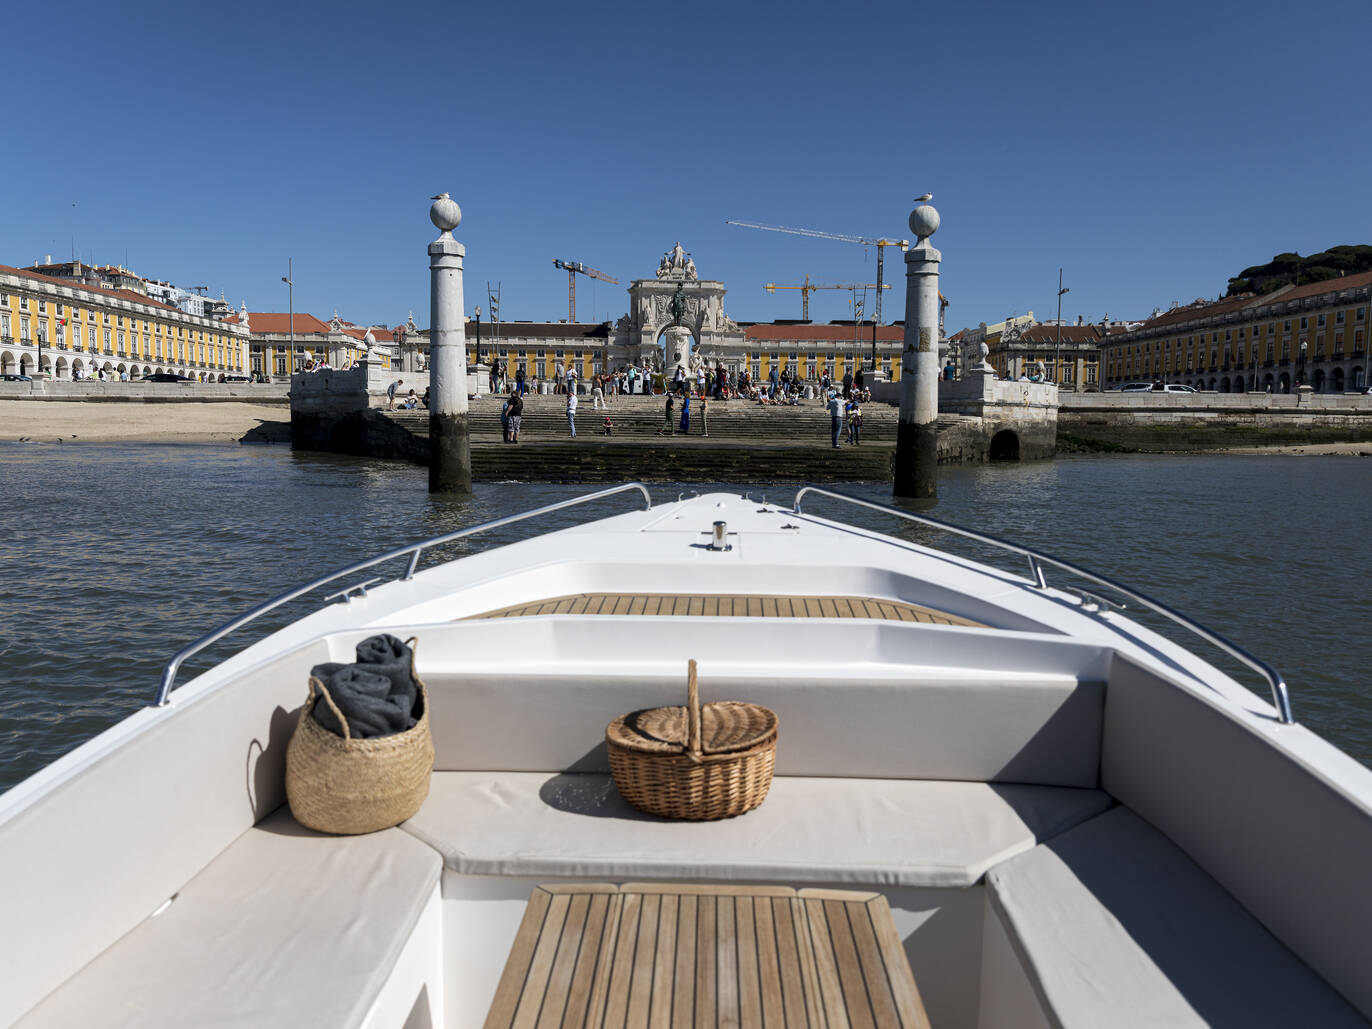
(880, 244)
(573, 268)
(809, 287)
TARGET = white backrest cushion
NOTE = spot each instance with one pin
(1276, 833)
(1043, 732)
(102, 850)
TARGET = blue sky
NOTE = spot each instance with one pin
(1150, 150)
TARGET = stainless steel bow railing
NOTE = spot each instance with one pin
(414, 551)
(1037, 559)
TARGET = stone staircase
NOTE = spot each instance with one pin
(545, 418)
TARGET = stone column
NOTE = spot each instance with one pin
(916, 470)
(450, 456)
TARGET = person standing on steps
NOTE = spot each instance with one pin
(668, 428)
(516, 415)
(505, 419)
(704, 420)
(390, 393)
(835, 411)
(571, 409)
(686, 415)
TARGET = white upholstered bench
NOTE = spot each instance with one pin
(263, 936)
(1115, 926)
(893, 832)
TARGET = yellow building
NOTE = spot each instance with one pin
(73, 331)
(1315, 334)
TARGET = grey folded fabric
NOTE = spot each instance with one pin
(388, 656)
(376, 694)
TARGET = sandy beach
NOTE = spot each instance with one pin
(1313, 449)
(73, 421)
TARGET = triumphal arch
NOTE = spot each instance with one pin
(678, 317)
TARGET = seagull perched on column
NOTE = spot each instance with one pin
(924, 199)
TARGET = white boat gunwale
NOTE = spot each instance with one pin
(1089, 602)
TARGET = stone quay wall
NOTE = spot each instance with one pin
(87, 391)
(1206, 421)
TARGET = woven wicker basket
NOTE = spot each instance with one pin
(695, 762)
(337, 784)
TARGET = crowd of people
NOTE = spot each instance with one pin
(687, 396)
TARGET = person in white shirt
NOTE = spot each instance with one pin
(571, 411)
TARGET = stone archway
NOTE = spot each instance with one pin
(1337, 376)
(7, 363)
(677, 295)
(62, 372)
(1319, 380)
(1004, 446)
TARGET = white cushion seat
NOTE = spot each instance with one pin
(287, 927)
(1115, 926)
(809, 830)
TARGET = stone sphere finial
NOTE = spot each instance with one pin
(924, 221)
(445, 214)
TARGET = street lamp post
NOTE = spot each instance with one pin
(1057, 353)
(289, 280)
(1300, 368)
(477, 309)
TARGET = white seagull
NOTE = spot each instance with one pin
(924, 199)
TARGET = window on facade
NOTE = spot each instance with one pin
(1286, 325)
(1362, 313)
(1319, 322)
(1357, 341)
(107, 341)
(1304, 322)
(24, 329)
(1286, 350)
(1338, 318)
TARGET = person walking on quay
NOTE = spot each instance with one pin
(704, 420)
(668, 428)
(390, 393)
(686, 415)
(834, 413)
(571, 410)
(516, 415)
(597, 394)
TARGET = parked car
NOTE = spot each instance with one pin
(1136, 387)
(15, 378)
(233, 378)
(1177, 387)
(167, 377)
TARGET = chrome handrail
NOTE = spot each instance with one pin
(1037, 559)
(413, 549)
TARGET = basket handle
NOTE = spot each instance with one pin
(318, 684)
(692, 713)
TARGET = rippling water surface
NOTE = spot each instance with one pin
(115, 556)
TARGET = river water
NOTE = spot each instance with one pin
(115, 556)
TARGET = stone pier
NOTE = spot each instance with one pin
(450, 458)
(916, 467)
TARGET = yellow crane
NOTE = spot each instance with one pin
(573, 269)
(809, 287)
(881, 245)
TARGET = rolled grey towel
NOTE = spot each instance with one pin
(386, 655)
(366, 699)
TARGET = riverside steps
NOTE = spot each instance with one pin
(747, 441)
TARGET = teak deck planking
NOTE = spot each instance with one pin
(688, 955)
(697, 605)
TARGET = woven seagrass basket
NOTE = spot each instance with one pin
(338, 784)
(694, 762)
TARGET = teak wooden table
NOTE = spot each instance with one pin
(591, 954)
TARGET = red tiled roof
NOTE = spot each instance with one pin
(122, 294)
(1200, 309)
(563, 330)
(1040, 333)
(1312, 289)
(277, 323)
(837, 333)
